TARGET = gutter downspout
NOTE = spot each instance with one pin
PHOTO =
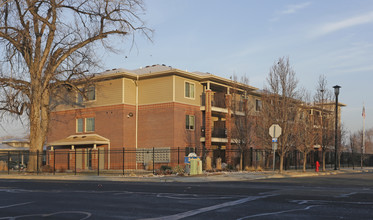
(137, 114)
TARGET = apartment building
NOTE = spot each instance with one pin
(152, 107)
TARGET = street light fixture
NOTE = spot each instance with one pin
(336, 92)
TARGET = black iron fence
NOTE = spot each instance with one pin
(163, 160)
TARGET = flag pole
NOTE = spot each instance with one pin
(363, 142)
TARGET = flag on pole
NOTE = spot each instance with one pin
(363, 114)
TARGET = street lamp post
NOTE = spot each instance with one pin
(336, 92)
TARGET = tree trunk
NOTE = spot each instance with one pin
(304, 161)
(37, 132)
(267, 159)
(36, 139)
(323, 160)
(241, 155)
(281, 162)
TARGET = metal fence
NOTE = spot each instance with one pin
(160, 160)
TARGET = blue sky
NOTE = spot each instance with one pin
(240, 37)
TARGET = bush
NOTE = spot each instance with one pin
(46, 169)
(165, 167)
(178, 170)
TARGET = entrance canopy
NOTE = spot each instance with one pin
(84, 139)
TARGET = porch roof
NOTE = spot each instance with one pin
(80, 140)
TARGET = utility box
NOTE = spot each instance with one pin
(193, 164)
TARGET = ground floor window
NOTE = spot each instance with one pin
(89, 124)
(189, 122)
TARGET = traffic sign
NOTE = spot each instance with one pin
(275, 131)
(274, 140)
(274, 146)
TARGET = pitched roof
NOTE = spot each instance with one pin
(80, 140)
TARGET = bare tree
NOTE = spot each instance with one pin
(47, 45)
(353, 145)
(243, 120)
(280, 103)
(323, 98)
(305, 133)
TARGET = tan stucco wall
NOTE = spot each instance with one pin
(180, 90)
(129, 91)
(108, 92)
(157, 90)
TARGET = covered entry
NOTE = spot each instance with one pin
(82, 152)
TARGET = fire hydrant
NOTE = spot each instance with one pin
(317, 166)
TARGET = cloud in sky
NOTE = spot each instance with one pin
(339, 25)
(291, 9)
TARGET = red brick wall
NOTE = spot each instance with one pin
(110, 122)
(160, 125)
(163, 125)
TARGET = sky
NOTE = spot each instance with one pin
(245, 37)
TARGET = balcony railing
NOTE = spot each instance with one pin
(217, 100)
(216, 132)
(237, 106)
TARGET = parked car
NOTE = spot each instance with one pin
(14, 165)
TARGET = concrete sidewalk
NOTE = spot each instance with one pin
(206, 177)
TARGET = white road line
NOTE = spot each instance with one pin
(276, 213)
(210, 208)
(19, 204)
(323, 202)
(87, 215)
(346, 195)
(178, 196)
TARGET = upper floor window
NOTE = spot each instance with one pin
(89, 124)
(79, 125)
(189, 122)
(189, 90)
(258, 105)
(90, 94)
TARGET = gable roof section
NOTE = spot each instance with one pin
(80, 140)
(155, 71)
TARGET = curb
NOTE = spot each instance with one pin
(207, 177)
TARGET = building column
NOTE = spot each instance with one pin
(208, 125)
(228, 126)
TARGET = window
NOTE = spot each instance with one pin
(90, 94)
(258, 105)
(189, 90)
(80, 98)
(189, 122)
(89, 124)
(79, 125)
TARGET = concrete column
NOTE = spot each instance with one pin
(208, 122)
(228, 126)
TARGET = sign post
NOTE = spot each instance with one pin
(275, 132)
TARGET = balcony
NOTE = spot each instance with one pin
(216, 132)
(217, 100)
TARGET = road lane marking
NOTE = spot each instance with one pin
(87, 215)
(210, 208)
(178, 196)
(322, 202)
(276, 213)
(19, 204)
(346, 195)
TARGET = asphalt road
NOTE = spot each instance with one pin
(344, 196)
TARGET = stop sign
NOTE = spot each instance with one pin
(275, 131)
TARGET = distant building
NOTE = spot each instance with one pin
(15, 145)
